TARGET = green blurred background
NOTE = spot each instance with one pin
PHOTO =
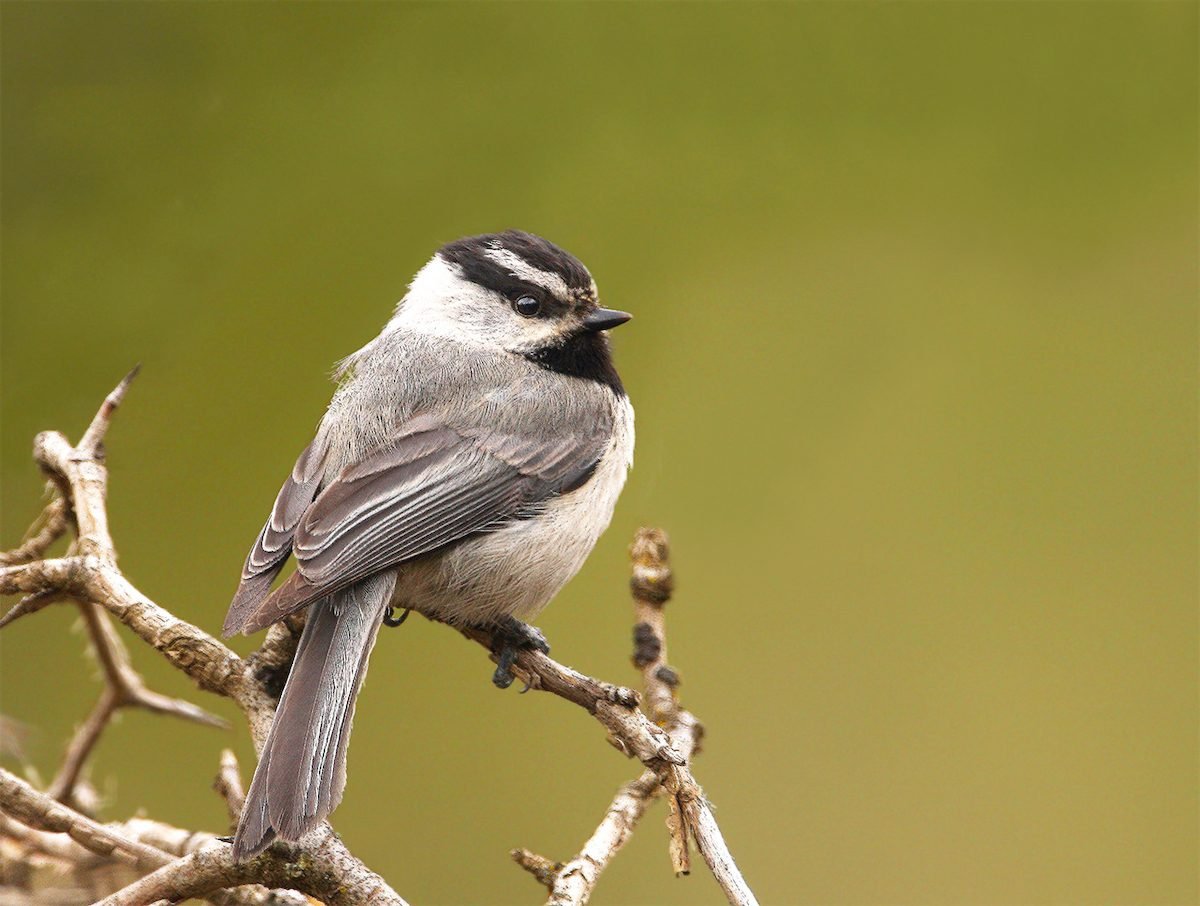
(914, 364)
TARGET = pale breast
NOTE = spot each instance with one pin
(516, 570)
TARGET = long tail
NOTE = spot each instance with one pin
(302, 769)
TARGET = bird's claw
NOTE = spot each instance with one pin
(508, 638)
(503, 677)
(390, 620)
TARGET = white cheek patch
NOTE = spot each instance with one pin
(536, 333)
(442, 303)
(522, 270)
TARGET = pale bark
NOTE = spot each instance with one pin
(178, 864)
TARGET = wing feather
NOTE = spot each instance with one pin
(430, 485)
(274, 543)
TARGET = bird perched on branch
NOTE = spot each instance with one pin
(468, 462)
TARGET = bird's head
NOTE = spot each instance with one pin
(513, 289)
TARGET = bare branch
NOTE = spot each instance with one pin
(124, 688)
(197, 864)
(198, 875)
(23, 803)
(89, 445)
(47, 529)
(131, 690)
(690, 816)
(83, 863)
(80, 747)
(652, 583)
(663, 736)
(545, 871)
(213, 666)
(328, 872)
(228, 784)
(572, 882)
(58, 847)
(93, 576)
(42, 582)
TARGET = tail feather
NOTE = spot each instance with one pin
(302, 769)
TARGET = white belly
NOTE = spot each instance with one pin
(516, 570)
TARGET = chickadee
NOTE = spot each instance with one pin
(468, 462)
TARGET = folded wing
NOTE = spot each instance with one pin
(431, 484)
(274, 543)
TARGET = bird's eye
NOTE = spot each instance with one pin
(527, 306)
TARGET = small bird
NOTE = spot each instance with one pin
(467, 463)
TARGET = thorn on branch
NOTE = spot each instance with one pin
(30, 604)
(89, 446)
(545, 870)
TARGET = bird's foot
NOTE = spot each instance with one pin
(508, 638)
(390, 618)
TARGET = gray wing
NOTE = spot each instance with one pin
(431, 484)
(274, 543)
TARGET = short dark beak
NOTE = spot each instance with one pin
(605, 319)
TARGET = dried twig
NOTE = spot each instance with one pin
(53, 831)
(651, 584)
(690, 816)
(89, 575)
(47, 529)
(124, 688)
(320, 865)
(26, 805)
(228, 785)
(82, 479)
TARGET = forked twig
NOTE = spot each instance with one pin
(124, 688)
(89, 575)
(46, 529)
(662, 736)
(690, 817)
